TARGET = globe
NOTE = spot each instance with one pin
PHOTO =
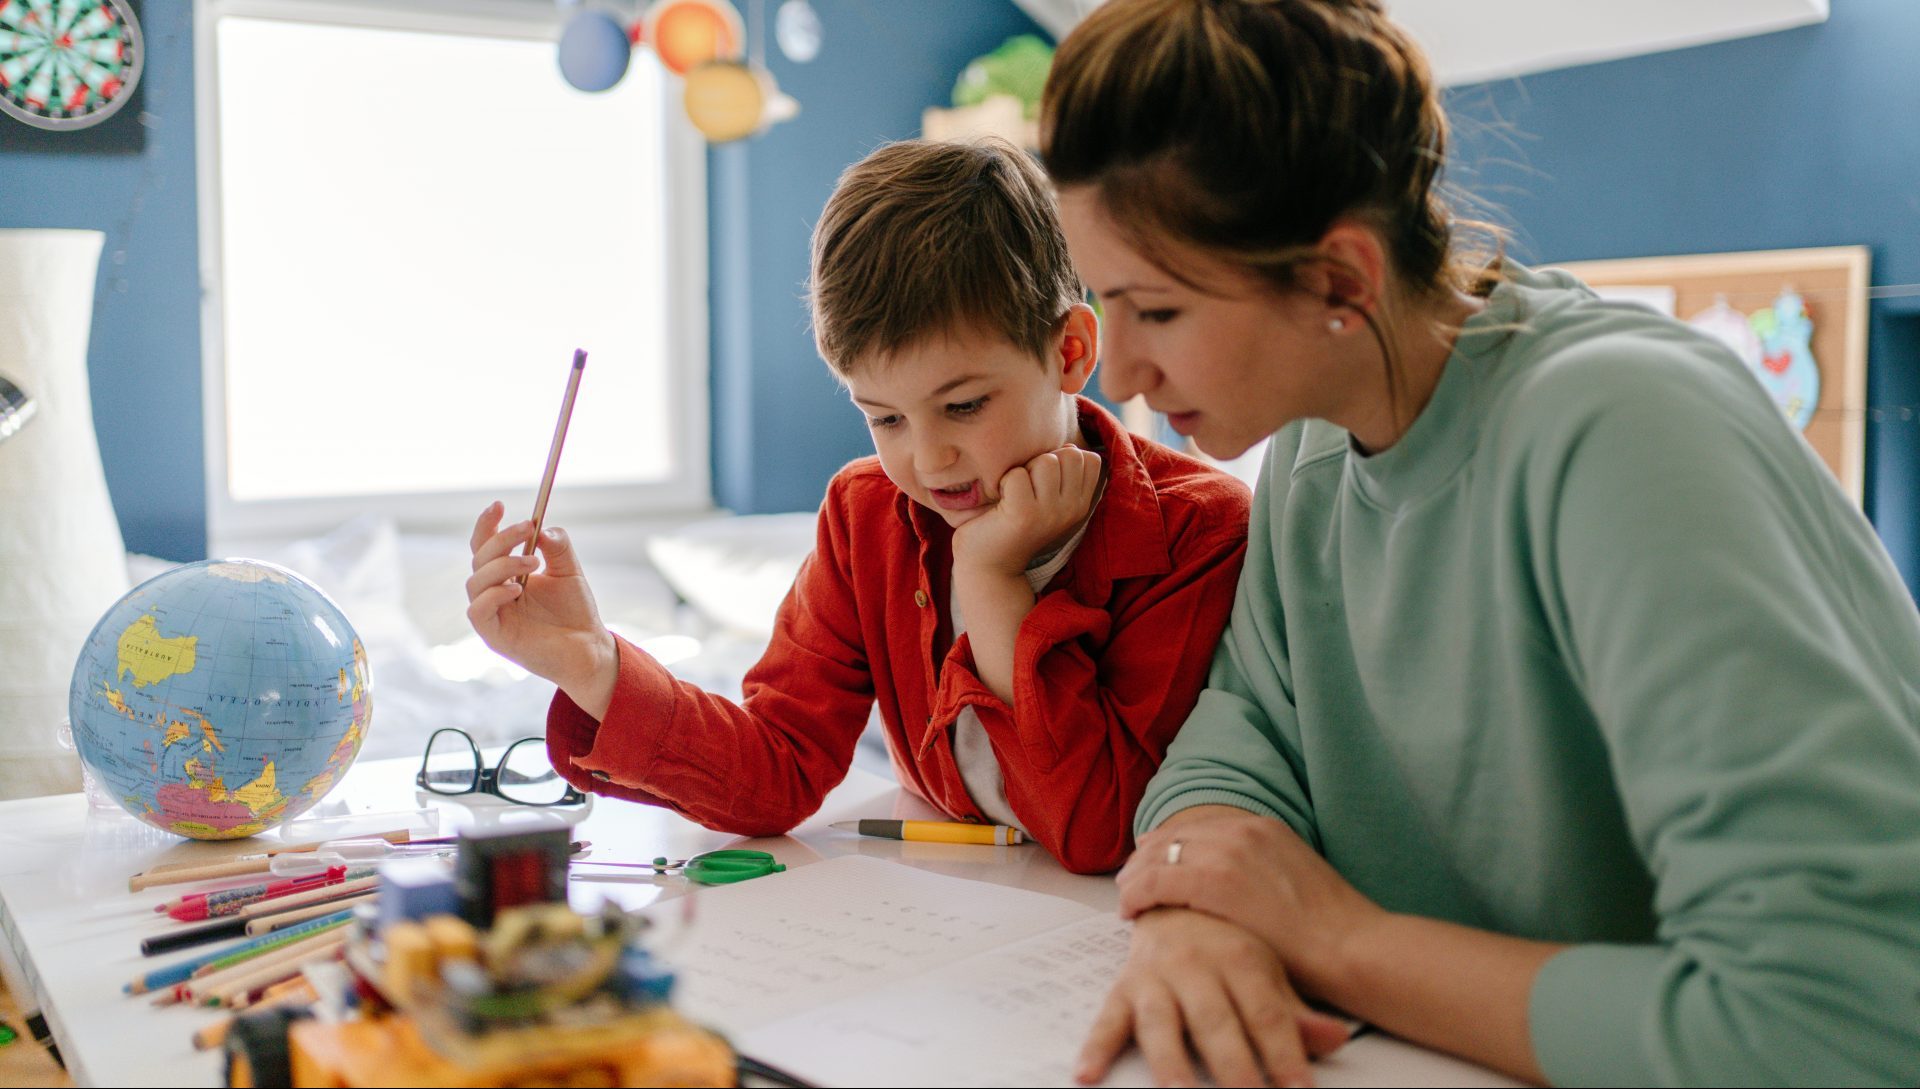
(220, 698)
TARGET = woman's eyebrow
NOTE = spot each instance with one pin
(1114, 293)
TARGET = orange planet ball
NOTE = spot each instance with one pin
(689, 33)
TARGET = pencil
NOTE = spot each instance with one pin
(553, 450)
(247, 989)
(178, 873)
(294, 953)
(267, 924)
(260, 953)
(183, 989)
(180, 973)
(235, 925)
(936, 831)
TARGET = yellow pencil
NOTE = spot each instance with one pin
(936, 831)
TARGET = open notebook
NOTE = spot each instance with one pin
(858, 971)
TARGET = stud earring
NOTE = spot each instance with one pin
(1336, 324)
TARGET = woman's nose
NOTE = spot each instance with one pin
(1124, 375)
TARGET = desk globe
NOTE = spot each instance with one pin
(220, 698)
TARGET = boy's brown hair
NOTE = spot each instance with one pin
(921, 239)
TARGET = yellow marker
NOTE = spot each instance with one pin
(937, 831)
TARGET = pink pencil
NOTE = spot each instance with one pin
(553, 451)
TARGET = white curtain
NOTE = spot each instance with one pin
(62, 563)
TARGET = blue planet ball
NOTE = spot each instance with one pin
(593, 51)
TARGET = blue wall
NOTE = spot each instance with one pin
(144, 361)
(1801, 138)
(781, 424)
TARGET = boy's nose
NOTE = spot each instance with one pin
(934, 455)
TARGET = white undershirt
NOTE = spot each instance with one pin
(979, 768)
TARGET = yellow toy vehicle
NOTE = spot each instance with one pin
(547, 996)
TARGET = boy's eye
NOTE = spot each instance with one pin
(966, 408)
(879, 423)
(1158, 317)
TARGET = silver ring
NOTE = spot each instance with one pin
(1173, 853)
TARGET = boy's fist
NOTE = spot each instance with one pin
(1040, 504)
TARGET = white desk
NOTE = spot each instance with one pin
(75, 929)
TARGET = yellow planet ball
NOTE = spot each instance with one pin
(725, 101)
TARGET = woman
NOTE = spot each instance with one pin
(1567, 715)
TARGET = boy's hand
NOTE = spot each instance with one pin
(549, 624)
(1040, 504)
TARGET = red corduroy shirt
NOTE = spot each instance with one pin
(1106, 667)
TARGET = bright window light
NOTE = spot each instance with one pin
(416, 229)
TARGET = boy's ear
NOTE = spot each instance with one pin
(1079, 348)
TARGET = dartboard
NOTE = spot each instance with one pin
(67, 64)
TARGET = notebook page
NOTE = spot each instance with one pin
(1014, 1016)
(1017, 1016)
(790, 942)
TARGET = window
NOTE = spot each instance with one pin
(409, 222)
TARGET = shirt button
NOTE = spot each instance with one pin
(601, 777)
(920, 598)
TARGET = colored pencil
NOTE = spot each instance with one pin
(180, 973)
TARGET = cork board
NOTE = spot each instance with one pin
(1832, 281)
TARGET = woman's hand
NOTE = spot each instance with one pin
(1039, 504)
(1256, 872)
(549, 623)
(1190, 976)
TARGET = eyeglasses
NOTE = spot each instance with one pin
(523, 776)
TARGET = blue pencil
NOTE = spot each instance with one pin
(180, 973)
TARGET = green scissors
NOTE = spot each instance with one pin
(720, 867)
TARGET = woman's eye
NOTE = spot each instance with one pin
(1158, 317)
(881, 423)
(966, 408)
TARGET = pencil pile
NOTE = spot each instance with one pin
(285, 925)
(291, 909)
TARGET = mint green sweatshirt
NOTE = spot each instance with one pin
(1597, 653)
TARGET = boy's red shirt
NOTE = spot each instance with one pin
(1106, 667)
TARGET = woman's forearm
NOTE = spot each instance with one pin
(1447, 986)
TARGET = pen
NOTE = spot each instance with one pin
(194, 907)
(936, 831)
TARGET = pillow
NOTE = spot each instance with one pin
(735, 571)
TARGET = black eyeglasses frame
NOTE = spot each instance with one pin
(487, 780)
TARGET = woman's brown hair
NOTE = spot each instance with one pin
(1246, 128)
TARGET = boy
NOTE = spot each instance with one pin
(1032, 594)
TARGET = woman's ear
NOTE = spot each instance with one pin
(1078, 347)
(1352, 277)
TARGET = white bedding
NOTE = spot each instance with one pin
(701, 599)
